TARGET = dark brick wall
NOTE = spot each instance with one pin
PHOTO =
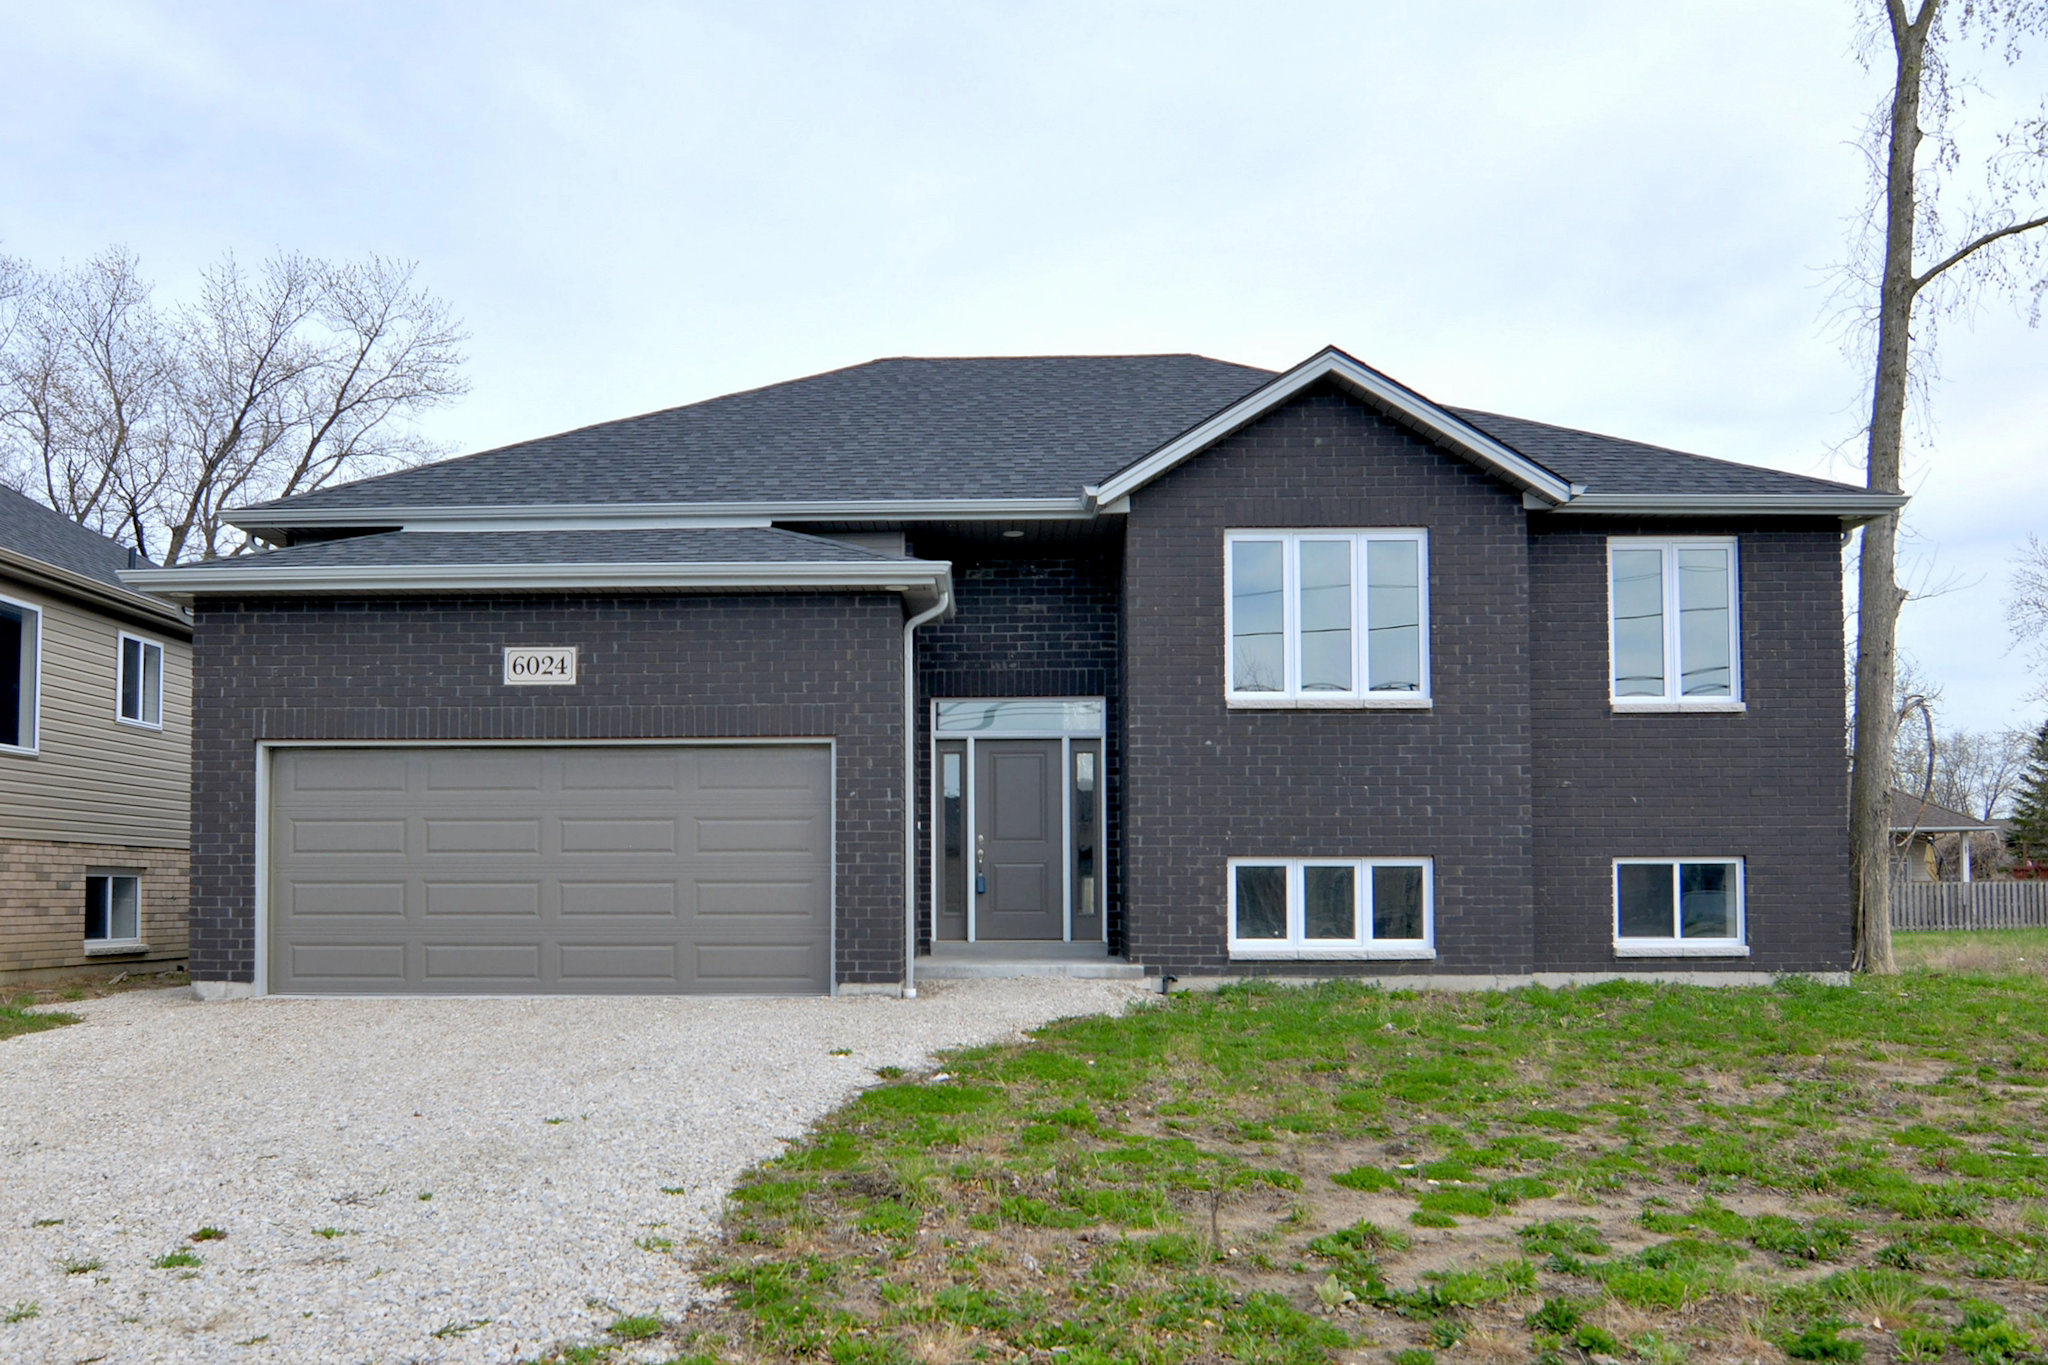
(1203, 782)
(675, 667)
(1769, 784)
(1035, 623)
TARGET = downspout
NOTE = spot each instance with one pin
(944, 604)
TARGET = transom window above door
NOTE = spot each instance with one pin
(1673, 624)
(1327, 618)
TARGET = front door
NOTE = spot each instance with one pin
(1020, 848)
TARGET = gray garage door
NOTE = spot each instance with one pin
(627, 869)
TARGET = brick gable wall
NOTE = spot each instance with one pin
(1204, 782)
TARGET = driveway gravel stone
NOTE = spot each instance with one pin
(418, 1179)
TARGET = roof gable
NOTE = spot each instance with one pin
(1438, 424)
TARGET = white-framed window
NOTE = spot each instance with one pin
(1326, 618)
(113, 909)
(1674, 629)
(142, 682)
(1679, 907)
(21, 668)
(1332, 907)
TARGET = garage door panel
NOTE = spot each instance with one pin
(754, 834)
(482, 963)
(483, 836)
(347, 836)
(500, 773)
(752, 966)
(602, 835)
(627, 869)
(639, 899)
(351, 770)
(786, 769)
(751, 899)
(350, 962)
(622, 770)
(353, 900)
(596, 964)
(510, 900)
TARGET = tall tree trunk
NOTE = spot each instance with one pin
(1878, 594)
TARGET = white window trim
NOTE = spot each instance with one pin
(1672, 700)
(1290, 697)
(35, 714)
(163, 657)
(113, 946)
(1296, 948)
(1674, 946)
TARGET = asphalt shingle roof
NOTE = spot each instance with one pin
(1003, 427)
(1034, 426)
(29, 528)
(427, 549)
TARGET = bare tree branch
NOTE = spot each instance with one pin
(1963, 253)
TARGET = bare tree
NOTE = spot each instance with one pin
(1974, 771)
(1995, 245)
(2026, 607)
(151, 426)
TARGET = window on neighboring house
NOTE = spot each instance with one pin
(1331, 907)
(21, 630)
(1665, 907)
(142, 682)
(113, 908)
(1673, 622)
(1328, 618)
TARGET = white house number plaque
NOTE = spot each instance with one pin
(531, 666)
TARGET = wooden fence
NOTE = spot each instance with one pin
(1969, 905)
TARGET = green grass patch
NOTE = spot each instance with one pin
(16, 1018)
(1796, 1158)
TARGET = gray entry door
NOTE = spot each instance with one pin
(1020, 888)
(542, 870)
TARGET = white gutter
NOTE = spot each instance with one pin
(655, 515)
(945, 604)
(1850, 503)
(254, 576)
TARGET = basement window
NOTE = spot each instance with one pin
(113, 911)
(1666, 907)
(1331, 908)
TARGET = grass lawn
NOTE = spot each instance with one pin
(1298, 1175)
(17, 1018)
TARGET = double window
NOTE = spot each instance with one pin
(1327, 618)
(21, 635)
(1331, 907)
(113, 909)
(1673, 627)
(1673, 907)
(142, 682)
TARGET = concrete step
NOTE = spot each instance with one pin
(984, 961)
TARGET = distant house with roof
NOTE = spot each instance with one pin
(95, 755)
(1918, 829)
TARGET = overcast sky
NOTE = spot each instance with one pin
(1617, 216)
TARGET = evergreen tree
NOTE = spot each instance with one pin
(2029, 836)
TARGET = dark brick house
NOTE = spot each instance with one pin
(1151, 660)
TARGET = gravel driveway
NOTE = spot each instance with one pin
(552, 1136)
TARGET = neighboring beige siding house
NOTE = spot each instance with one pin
(95, 756)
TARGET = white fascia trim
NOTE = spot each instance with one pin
(1850, 504)
(904, 576)
(1331, 363)
(590, 523)
(598, 516)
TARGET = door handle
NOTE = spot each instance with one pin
(980, 866)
